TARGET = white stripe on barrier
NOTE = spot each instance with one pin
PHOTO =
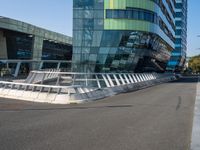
(106, 81)
(138, 79)
(134, 78)
(130, 78)
(122, 80)
(127, 80)
(117, 81)
(98, 83)
(110, 80)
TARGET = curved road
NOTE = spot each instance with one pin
(156, 118)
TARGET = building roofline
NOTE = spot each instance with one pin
(23, 27)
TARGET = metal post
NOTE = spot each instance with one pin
(43, 78)
(7, 65)
(41, 65)
(58, 65)
(33, 78)
(74, 78)
(98, 82)
(86, 80)
(58, 80)
(17, 69)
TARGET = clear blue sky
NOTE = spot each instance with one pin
(56, 15)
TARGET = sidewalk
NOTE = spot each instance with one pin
(196, 125)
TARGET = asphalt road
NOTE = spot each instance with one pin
(156, 118)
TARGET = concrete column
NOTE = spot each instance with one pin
(37, 51)
(3, 46)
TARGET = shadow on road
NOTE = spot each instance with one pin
(64, 108)
(187, 79)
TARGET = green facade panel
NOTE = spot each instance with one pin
(130, 24)
(141, 4)
(121, 24)
(122, 4)
(115, 4)
(126, 24)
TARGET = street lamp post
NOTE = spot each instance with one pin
(198, 37)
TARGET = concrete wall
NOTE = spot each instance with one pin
(3, 46)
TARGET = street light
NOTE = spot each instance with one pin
(199, 37)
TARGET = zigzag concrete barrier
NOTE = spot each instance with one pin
(66, 88)
(111, 91)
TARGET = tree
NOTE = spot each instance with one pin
(194, 64)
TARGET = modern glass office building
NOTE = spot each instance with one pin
(178, 58)
(23, 41)
(25, 47)
(123, 35)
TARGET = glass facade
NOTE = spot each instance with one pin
(122, 36)
(56, 51)
(178, 58)
(19, 40)
(19, 45)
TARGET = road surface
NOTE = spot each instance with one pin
(156, 118)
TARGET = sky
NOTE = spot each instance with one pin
(56, 15)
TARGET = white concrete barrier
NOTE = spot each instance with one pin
(91, 86)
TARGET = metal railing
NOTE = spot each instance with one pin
(95, 80)
(34, 77)
(69, 84)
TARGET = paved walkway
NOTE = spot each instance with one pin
(157, 118)
(196, 125)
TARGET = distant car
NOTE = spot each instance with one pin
(178, 76)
